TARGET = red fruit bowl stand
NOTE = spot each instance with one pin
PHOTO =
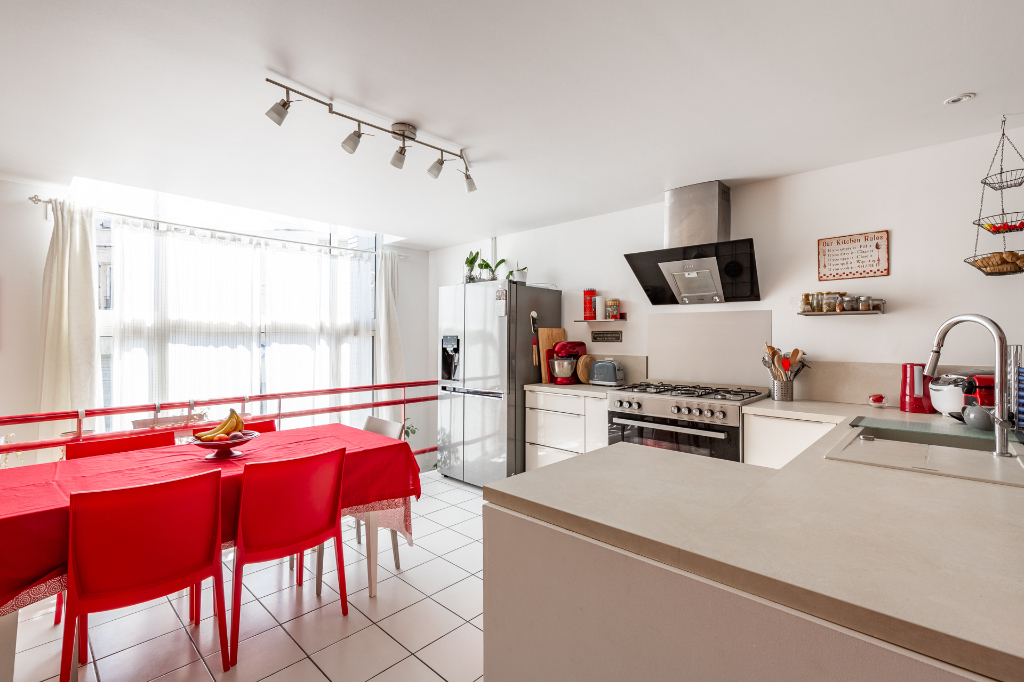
(222, 448)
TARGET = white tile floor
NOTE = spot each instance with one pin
(426, 623)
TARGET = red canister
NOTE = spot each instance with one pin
(914, 394)
(588, 304)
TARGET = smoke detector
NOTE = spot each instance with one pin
(962, 97)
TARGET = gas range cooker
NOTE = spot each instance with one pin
(685, 402)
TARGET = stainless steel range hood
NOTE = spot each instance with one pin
(699, 263)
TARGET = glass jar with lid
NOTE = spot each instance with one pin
(864, 303)
(850, 303)
(816, 300)
(805, 303)
(828, 304)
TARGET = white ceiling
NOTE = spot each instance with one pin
(567, 109)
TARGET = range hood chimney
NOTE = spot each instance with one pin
(699, 263)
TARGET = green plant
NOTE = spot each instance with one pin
(410, 430)
(471, 260)
(508, 275)
(484, 265)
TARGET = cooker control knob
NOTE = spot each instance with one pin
(676, 409)
(720, 415)
(636, 405)
(685, 410)
(709, 413)
(618, 403)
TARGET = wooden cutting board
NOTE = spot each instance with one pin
(583, 368)
(547, 338)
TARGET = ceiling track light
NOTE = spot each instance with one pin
(405, 132)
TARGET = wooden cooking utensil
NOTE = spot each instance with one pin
(794, 358)
(547, 338)
(583, 368)
(779, 368)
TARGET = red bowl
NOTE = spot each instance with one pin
(222, 448)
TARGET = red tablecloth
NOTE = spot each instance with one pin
(34, 499)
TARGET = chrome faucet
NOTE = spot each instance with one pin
(1002, 398)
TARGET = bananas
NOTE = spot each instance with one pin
(230, 425)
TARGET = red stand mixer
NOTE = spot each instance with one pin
(562, 361)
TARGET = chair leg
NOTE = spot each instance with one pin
(67, 653)
(222, 628)
(236, 599)
(319, 569)
(298, 573)
(359, 532)
(192, 604)
(291, 562)
(83, 639)
(199, 602)
(340, 557)
(394, 549)
(60, 608)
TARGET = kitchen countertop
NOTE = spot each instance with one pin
(929, 563)
(835, 413)
(589, 390)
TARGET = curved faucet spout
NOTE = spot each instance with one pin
(1001, 383)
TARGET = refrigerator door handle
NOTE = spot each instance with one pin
(483, 394)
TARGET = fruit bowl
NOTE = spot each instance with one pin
(222, 448)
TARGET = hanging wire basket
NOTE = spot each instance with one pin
(1002, 223)
(1005, 180)
(998, 263)
(1005, 262)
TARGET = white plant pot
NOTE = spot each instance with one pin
(519, 275)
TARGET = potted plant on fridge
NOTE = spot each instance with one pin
(471, 260)
(518, 274)
(489, 269)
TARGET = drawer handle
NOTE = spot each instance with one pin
(666, 427)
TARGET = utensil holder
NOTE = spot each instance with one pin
(782, 390)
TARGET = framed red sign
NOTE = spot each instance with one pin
(853, 256)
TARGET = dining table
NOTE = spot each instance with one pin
(381, 476)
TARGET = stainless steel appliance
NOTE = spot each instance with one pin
(699, 263)
(607, 373)
(485, 359)
(699, 420)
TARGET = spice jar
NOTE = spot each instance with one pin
(816, 300)
(612, 309)
(876, 303)
(805, 303)
(829, 302)
(865, 303)
(849, 303)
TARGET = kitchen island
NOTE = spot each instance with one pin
(636, 563)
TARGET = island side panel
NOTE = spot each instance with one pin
(559, 606)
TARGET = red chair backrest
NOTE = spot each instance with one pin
(265, 426)
(289, 501)
(107, 446)
(128, 539)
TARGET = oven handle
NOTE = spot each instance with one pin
(666, 427)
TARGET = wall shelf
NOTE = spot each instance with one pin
(621, 319)
(844, 313)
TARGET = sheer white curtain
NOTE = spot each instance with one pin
(388, 356)
(319, 327)
(187, 309)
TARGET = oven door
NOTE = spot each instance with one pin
(695, 438)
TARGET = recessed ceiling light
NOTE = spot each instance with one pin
(962, 97)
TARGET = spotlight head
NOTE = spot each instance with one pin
(436, 168)
(470, 185)
(279, 111)
(398, 160)
(351, 143)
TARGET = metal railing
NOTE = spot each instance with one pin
(81, 415)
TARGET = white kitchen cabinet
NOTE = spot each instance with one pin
(555, 402)
(539, 455)
(774, 441)
(596, 422)
(555, 430)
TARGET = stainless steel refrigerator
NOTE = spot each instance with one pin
(485, 357)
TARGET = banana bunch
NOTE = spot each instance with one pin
(233, 424)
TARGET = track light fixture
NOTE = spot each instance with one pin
(404, 132)
(435, 168)
(351, 143)
(398, 160)
(279, 112)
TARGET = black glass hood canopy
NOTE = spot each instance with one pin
(699, 263)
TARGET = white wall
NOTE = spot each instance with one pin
(926, 198)
(24, 240)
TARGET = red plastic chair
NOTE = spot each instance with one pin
(287, 507)
(109, 446)
(131, 545)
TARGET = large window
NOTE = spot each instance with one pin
(192, 313)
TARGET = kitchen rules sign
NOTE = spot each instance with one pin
(852, 256)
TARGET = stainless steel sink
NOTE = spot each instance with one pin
(938, 449)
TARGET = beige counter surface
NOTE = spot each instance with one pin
(587, 390)
(929, 563)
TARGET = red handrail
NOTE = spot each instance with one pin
(156, 408)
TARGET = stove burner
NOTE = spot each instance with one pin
(694, 391)
(734, 394)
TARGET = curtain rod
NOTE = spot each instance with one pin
(35, 199)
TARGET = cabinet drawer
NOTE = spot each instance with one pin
(772, 441)
(596, 424)
(555, 430)
(538, 456)
(554, 402)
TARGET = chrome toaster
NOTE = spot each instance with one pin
(607, 373)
